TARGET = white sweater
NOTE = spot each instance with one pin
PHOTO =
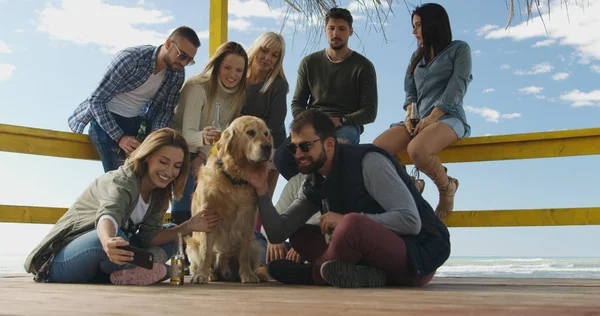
(188, 113)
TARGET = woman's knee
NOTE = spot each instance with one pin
(418, 153)
(393, 140)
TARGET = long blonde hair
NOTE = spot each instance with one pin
(210, 77)
(270, 41)
(155, 141)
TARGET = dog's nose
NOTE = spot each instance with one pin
(266, 147)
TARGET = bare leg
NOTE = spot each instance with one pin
(395, 140)
(423, 150)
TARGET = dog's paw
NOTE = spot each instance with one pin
(249, 278)
(198, 278)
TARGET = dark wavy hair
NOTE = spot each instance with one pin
(435, 32)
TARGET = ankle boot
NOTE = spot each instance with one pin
(446, 185)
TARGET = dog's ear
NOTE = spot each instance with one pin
(225, 144)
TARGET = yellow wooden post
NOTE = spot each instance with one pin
(218, 25)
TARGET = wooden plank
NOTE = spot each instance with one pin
(37, 215)
(218, 24)
(443, 296)
(521, 146)
(45, 142)
(525, 217)
(499, 218)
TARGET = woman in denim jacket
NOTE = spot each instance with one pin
(435, 84)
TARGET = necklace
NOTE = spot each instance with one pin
(339, 61)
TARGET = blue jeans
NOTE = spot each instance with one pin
(84, 261)
(181, 210)
(262, 241)
(111, 155)
(285, 162)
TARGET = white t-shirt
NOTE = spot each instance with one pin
(141, 208)
(132, 103)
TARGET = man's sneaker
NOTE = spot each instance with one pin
(349, 275)
(290, 272)
(139, 275)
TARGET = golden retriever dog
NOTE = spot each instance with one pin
(244, 146)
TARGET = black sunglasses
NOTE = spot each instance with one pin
(304, 146)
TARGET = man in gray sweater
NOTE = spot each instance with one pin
(338, 81)
(382, 231)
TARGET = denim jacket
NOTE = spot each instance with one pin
(442, 83)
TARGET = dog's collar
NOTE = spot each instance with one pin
(233, 180)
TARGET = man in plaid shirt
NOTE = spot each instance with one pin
(141, 85)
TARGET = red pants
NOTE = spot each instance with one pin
(359, 240)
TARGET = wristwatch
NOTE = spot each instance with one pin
(344, 120)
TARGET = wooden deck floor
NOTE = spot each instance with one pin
(19, 295)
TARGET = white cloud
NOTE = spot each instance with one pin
(85, 22)
(574, 25)
(6, 71)
(239, 24)
(19, 30)
(491, 115)
(595, 68)
(531, 90)
(544, 43)
(355, 6)
(536, 69)
(505, 66)
(4, 48)
(488, 90)
(477, 53)
(560, 76)
(581, 99)
(486, 29)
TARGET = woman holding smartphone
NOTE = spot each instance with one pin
(121, 208)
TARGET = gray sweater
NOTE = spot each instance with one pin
(348, 88)
(270, 106)
(383, 184)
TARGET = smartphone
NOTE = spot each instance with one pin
(141, 257)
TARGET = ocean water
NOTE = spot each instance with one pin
(499, 267)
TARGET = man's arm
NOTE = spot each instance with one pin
(281, 227)
(165, 112)
(368, 97)
(302, 93)
(120, 68)
(385, 186)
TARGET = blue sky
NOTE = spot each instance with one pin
(53, 53)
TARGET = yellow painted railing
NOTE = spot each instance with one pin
(579, 142)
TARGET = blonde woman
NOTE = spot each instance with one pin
(221, 87)
(120, 208)
(266, 98)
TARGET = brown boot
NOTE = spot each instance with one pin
(446, 185)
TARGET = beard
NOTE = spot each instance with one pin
(337, 47)
(315, 165)
(169, 63)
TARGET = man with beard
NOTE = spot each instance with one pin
(136, 96)
(338, 81)
(382, 231)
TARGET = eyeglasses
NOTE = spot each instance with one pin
(183, 57)
(304, 146)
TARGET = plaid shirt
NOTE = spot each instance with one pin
(129, 69)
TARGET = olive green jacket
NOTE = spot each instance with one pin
(114, 193)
